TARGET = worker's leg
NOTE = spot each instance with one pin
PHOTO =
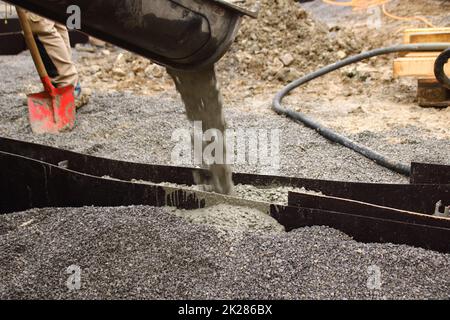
(56, 47)
(64, 33)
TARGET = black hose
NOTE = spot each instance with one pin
(439, 68)
(334, 136)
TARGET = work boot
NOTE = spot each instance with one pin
(81, 98)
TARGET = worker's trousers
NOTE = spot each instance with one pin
(54, 45)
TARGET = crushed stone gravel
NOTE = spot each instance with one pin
(145, 252)
(136, 128)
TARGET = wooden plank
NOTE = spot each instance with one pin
(429, 38)
(423, 54)
(420, 67)
(426, 35)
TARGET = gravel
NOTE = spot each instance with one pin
(142, 252)
(145, 252)
(137, 128)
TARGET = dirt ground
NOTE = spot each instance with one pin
(355, 99)
(135, 101)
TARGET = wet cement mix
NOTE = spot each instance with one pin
(200, 93)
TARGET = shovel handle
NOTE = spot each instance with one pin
(31, 43)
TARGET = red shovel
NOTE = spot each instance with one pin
(53, 110)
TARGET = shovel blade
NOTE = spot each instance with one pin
(52, 114)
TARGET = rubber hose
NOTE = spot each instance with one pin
(334, 136)
(439, 70)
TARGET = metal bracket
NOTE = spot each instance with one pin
(439, 68)
(445, 213)
(250, 8)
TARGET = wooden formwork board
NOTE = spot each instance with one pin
(426, 35)
(420, 64)
(417, 65)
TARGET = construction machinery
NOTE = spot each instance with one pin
(181, 34)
